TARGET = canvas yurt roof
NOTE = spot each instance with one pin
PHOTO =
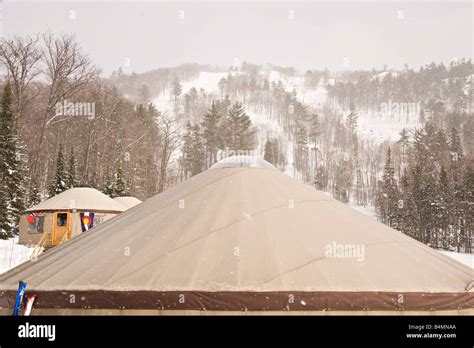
(80, 198)
(128, 201)
(244, 239)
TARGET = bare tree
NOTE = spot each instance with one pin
(21, 57)
(170, 142)
(67, 70)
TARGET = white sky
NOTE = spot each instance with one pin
(151, 34)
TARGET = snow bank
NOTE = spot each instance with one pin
(12, 254)
(467, 259)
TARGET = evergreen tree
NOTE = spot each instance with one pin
(443, 206)
(301, 148)
(34, 196)
(211, 132)
(389, 194)
(193, 151)
(351, 120)
(271, 152)
(238, 129)
(108, 188)
(405, 204)
(12, 191)
(120, 187)
(176, 89)
(58, 184)
(457, 175)
(342, 181)
(468, 210)
(314, 129)
(404, 143)
(321, 178)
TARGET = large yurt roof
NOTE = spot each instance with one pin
(244, 238)
(127, 201)
(79, 198)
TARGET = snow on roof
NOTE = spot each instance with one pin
(83, 198)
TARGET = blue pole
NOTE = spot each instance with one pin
(19, 298)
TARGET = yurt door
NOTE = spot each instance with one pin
(61, 225)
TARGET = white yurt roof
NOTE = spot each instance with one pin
(128, 201)
(80, 198)
(251, 237)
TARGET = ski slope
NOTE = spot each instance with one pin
(375, 126)
(207, 81)
(382, 127)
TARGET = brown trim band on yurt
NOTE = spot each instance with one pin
(246, 301)
(72, 211)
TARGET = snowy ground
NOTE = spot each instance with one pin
(12, 254)
(467, 259)
(381, 127)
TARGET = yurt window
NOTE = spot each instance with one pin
(62, 219)
(35, 223)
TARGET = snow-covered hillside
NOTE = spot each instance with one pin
(316, 98)
(380, 126)
(208, 81)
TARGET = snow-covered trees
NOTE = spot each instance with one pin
(176, 91)
(237, 129)
(223, 128)
(388, 196)
(120, 187)
(432, 200)
(194, 155)
(370, 89)
(12, 171)
(58, 184)
(212, 132)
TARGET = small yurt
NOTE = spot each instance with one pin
(127, 201)
(66, 215)
(242, 238)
